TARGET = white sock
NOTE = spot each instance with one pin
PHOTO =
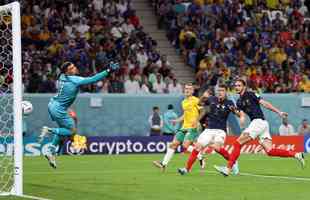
(200, 156)
(168, 156)
(190, 148)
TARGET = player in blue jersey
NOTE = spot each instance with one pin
(69, 83)
(217, 109)
(249, 103)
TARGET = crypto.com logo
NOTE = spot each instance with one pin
(73, 151)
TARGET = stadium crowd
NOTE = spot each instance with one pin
(91, 34)
(266, 42)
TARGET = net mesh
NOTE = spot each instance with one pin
(6, 102)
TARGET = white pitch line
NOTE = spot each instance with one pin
(268, 176)
(33, 197)
(209, 171)
(276, 177)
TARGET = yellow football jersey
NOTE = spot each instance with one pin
(191, 111)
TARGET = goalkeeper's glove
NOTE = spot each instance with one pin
(113, 67)
(79, 142)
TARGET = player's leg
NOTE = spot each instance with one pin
(255, 129)
(189, 139)
(271, 151)
(63, 119)
(177, 140)
(66, 128)
(203, 140)
(243, 139)
(218, 146)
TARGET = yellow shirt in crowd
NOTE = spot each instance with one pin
(272, 4)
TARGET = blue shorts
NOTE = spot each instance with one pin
(60, 116)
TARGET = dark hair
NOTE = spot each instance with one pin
(222, 85)
(170, 107)
(155, 108)
(65, 66)
(242, 81)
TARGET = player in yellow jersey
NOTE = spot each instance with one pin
(188, 133)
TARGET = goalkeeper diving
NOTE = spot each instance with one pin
(68, 87)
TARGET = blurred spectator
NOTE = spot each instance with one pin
(156, 122)
(116, 85)
(170, 128)
(47, 85)
(159, 86)
(285, 128)
(174, 87)
(304, 127)
(131, 85)
(144, 88)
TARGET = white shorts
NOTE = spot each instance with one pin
(211, 136)
(258, 128)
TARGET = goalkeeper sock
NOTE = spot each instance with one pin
(62, 131)
(52, 149)
(56, 140)
(168, 156)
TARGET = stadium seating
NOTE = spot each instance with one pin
(90, 34)
(265, 42)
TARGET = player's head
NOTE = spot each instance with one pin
(188, 89)
(240, 86)
(156, 109)
(69, 68)
(221, 91)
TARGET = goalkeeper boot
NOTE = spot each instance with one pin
(51, 160)
(160, 165)
(182, 171)
(44, 131)
(301, 158)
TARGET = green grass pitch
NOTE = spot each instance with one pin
(133, 177)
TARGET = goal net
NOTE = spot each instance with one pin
(11, 148)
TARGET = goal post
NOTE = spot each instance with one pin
(11, 155)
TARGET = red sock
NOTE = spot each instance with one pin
(234, 154)
(191, 160)
(281, 153)
(224, 153)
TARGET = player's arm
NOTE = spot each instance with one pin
(240, 114)
(93, 79)
(269, 106)
(204, 97)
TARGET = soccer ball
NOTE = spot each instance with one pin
(27, 107)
